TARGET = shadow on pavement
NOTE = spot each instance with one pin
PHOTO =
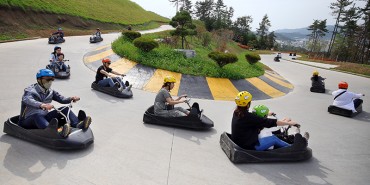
(363, 116)
(195, 136)
(307, 172)
(29, 161)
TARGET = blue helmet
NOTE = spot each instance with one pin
(59, 29)
(44, 72)
(57, 47)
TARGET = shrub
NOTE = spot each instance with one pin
(131, 35)
(223, 58)
(252, 58)
(145, 44)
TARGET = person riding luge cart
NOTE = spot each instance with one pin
(57, 37)
(243, 145)
(109, 81)
(59, 68)
(96, 37)
(39, 122)
(163, 112)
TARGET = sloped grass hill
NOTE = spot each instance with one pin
(109, 11)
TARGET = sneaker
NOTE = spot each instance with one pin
(85, 123)
(306, 135)
(127, 83)
(129, 87)
(116, 85)
(120, 88)
(65, 130)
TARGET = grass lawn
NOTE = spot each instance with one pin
(357, 68)
(111, 11)
(166, 58)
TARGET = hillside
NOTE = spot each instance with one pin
(32, 18)
(110, 11)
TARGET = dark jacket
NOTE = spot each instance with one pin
(34, 96)
(245, 130)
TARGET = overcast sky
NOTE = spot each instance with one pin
(283, 14)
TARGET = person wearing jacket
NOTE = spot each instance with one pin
(246, 126)
(346, 99)
(36, 104)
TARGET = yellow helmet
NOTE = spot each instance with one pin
(170, 79)
(315, 73)
(243, 98)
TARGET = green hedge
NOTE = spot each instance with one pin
(145, 44)
(131, 35)
(223, 58)
(252, 58)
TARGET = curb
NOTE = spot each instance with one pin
(15, 40)
(331, 69)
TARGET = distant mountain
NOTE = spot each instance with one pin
(299, 33)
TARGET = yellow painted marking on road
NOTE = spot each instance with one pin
(222, 88)
(102, 47)
(98, 56)
(264, 87)
(123, 65)
(275, 75)
(156, 81)
(280, 82)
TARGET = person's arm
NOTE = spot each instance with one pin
(117, 73)
(170, 101)
(29, 100)
(102, 71)
(357, 95)
(61, 99)
(284, 122)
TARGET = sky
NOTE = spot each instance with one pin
(283, 14)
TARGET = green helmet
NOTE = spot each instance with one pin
(261, 111)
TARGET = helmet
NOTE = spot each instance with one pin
(261, 110)
(170, 79)
(106, 60)
(315, 73)
(343, 85)
(243, 98)
(97, 28)
(56, 48)
(59, 29)
(44, 72)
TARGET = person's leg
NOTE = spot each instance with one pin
(119, 80)
(265, 143)
(40, 121)
(105, 82)
(28, 122)
(176, 112)
(278, 142)
(357, 102)
(186, 112)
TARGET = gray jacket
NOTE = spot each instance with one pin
(34, 96)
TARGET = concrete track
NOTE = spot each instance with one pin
(126, 151)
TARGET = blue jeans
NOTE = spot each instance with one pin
(267, 142)
(111, 81)
(42, 121)
(62, 67)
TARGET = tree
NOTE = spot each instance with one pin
(241, 28)
(318, 30)
(184, 26)
(271, 40)
(187, 6)
(204, 12)
(262, 31)
(176, 2)
(338, 8)
(349, 32)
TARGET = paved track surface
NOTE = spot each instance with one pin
(126, 151)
